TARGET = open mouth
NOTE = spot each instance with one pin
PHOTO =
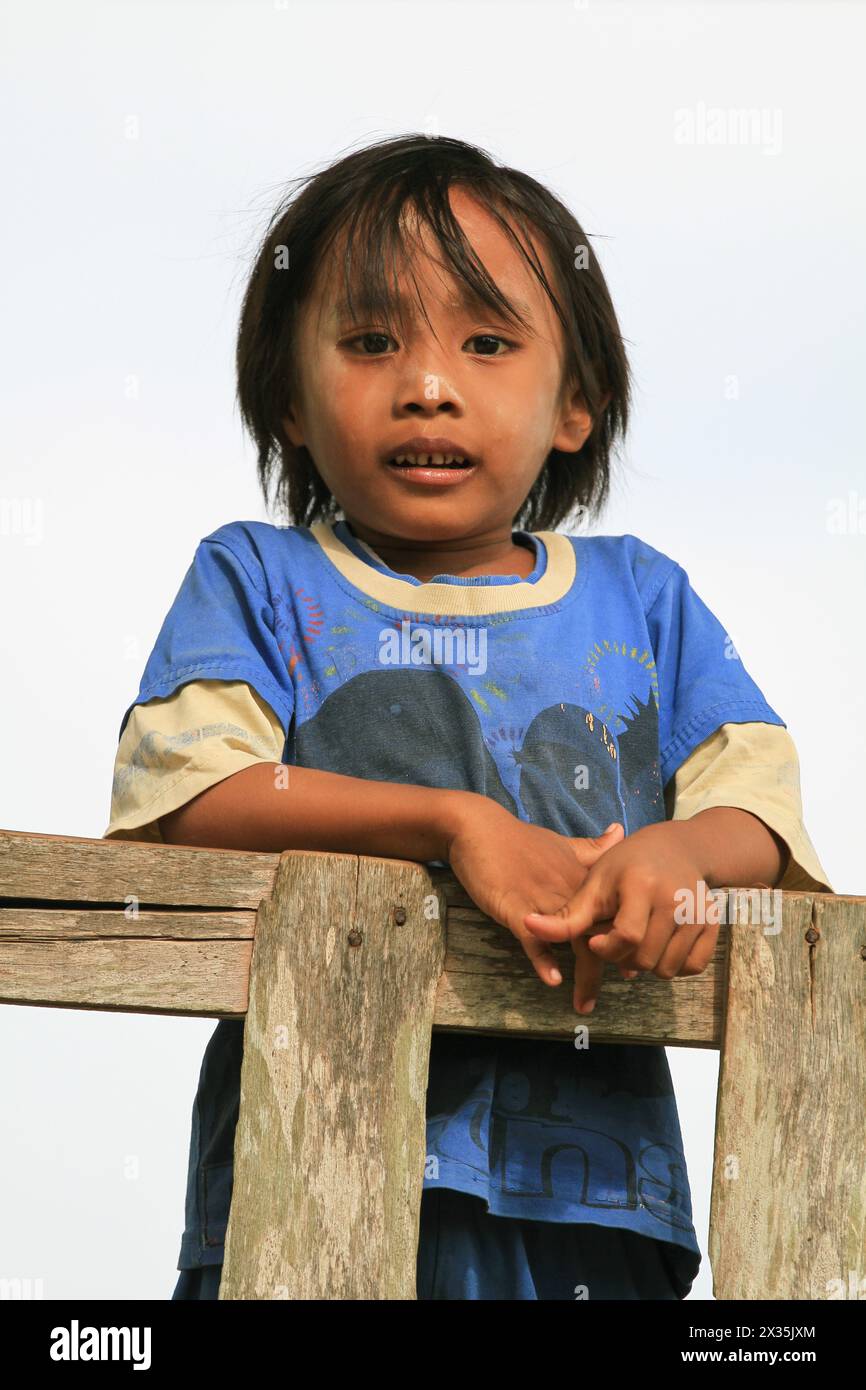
(430, 461)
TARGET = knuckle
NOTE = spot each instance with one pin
(639, 878)
(636, 873)
(629, 932)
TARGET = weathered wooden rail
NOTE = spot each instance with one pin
(342, 965)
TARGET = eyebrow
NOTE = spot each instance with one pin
(342, 309)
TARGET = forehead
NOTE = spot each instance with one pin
(360, 272)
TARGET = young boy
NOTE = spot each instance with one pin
(559, 718)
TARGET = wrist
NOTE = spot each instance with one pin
(455, 812)
(734, 848)
(700, 845)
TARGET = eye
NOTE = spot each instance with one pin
(374, 344)
(376, 338)
(491, 338)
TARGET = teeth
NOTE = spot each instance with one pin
(430, 460)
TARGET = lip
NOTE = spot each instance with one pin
(432, 477)
(430, 444)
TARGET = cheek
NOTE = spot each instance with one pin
(528, 424)
(344, 388)
(332, 399)
(348, 418)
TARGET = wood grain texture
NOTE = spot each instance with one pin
(145, 962)
(333, 1083)
(788, 1204)
(77, 870)
(489, 985)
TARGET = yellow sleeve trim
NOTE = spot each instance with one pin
(754, 767)
(172, 749)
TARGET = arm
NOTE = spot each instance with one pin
(202, 767)
(734, 848)
(273, 807)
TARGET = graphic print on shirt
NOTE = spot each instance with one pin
(601, 1170)
(565, 770)
(521, 1129)
(302, 624)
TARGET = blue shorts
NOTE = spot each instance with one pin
(464, 1252)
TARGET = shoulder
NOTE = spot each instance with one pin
(627, 559)
(249, 536)
(260, 548)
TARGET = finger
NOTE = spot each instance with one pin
(628, 930)
(541, 957)
(666, 944)
(624, 970)
(588, 970)
(588, 849)
(601, 929)
(678, 940)
(700, 952)
(593, 902)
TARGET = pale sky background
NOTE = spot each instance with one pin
(144, 146)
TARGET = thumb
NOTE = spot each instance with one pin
(590, 848)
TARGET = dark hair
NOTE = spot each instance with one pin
(365, 193)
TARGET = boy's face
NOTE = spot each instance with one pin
(468, 375)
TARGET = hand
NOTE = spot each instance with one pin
(510, 868)
(623, 912)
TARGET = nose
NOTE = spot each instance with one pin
(427, 385)
(423, 390)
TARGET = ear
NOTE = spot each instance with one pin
(575, 424)
(294, 431)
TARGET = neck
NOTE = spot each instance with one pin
(493, 552)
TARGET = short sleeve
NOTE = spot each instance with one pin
(702, 682)
(173, 749)
(754, 767)
(220, 627)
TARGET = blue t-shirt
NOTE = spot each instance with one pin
(570, 697)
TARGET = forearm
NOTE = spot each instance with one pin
(273, 807)
(735, 847)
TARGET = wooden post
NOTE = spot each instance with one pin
(788, 1206)
(331, 1137)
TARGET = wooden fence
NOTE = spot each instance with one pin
(343, 964)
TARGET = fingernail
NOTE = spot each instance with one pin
(556, 977)
(611, 827)
(587, 1006)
